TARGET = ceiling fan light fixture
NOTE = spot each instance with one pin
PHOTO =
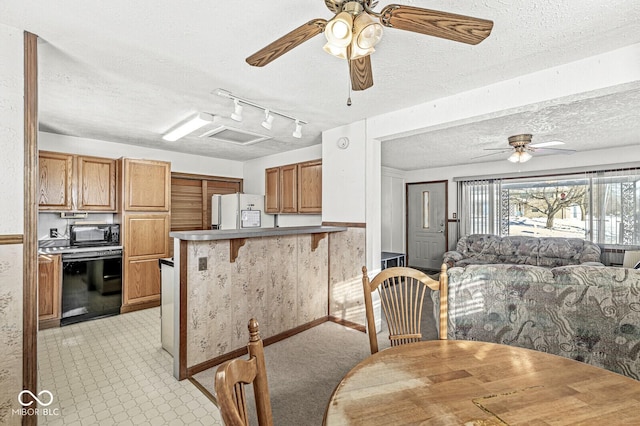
(268, 120)
(187, 127)
(357, 52)
(367, 31)
(297, 133)
(520, 157)
(338, 30)
(338, 52)
(237, 111)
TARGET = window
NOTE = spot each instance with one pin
(600, 206)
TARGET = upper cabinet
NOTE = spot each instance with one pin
(310, 187)
(76, 182)
(56, 177)
(294, 188)
(272, 190)
(96, 183)
(147, 185)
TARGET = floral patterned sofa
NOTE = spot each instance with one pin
(583, 312)
(522, 250)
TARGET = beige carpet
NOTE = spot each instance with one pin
(304, 369)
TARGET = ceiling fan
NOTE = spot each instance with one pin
(355, 29)
(522, 148)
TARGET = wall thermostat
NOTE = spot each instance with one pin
(343, 143)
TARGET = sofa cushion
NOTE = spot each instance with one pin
(554, 252)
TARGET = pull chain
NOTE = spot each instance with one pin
(349, 80)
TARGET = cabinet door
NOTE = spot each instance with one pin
(272, 190)
(55, 170)
(96, 183)
(310, 187)
(49, 267)
(142, 281)
(147, 235)
(289, 189)
(147, 185)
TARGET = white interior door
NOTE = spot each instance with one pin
(426, 224)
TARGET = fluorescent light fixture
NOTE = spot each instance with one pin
(297, 133)
(268, 120)
(237, 111)
(187, 127)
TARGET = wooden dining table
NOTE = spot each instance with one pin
(459, 382)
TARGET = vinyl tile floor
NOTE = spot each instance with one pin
(113, 371)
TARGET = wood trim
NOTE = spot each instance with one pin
(182, 350)
(316, 238)
(30, 244)
(11, 239)
(139, 306)
(49, 323)
(347, 224)
(242, 351)
(181, 175)
(204, 390)
(348, 324)
(234, 246)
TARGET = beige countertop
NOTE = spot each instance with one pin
(230, 234)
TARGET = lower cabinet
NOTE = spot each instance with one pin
(146, 239)
(49, 290)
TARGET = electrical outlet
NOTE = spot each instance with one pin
(202, 264)
(53, 232)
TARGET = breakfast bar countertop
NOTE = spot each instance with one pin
(229, 234)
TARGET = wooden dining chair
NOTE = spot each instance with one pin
(402, 291)
(233, 376)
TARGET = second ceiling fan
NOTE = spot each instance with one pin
(355, 29)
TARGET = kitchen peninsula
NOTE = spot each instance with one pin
(280, 276)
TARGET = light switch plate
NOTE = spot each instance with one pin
(202, 264)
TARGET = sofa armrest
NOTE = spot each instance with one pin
(451, 257)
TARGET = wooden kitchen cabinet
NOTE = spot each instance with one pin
(146, 185)
(76, 182)
(289, 189)
(272, 190)
(56, 180)
(294, 188)
(49, 290)
(310, 187)
(145, 223)
(96, 183)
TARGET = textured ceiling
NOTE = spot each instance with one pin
(127, 72)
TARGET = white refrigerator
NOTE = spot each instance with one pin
(239, 211)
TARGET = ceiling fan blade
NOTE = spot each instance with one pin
(287, 42)
(361, 74)
(554, 151)
(493, 153)
(454, 27)
(546, 144)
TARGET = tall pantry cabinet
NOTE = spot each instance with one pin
(145, 222)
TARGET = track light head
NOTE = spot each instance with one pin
(297, 133)
(237, 111)
(268, 120)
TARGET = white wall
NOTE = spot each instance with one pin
(253, 173)
(12, 196)
(393, 210)
(343, 174)
(605, 73)
(185, 163)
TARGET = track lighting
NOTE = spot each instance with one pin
(268, 120)
(297, 133)
(189, 126)
(237, 111)
(269, 114)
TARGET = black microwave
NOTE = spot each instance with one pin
(94, 235)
